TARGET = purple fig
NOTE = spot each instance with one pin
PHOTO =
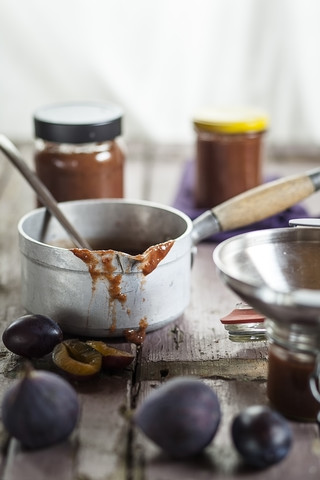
(40, 409)
(182, 416)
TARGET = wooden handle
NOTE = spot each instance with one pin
(263, 201)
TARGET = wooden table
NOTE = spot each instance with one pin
(104, 444)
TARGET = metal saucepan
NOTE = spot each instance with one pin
(138, 278)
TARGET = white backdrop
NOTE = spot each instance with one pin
(162, 59)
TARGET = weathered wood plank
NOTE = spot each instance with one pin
(198, 343)
(102, 446)
(97, 449)
(51, 463)
(220, 459)
(103, 430)
(15, 200)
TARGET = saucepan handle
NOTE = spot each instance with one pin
(256, 204)
(266, 200)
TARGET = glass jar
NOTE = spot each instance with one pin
(293, 356)
(244, 324)
(78, 152)
(228, 154)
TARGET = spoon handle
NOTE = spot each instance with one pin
(44, 195)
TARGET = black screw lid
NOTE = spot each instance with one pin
(79, 122)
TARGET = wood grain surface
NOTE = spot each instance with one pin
(104, 444)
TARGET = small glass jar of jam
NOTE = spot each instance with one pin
(228, 153)
(293, 353)
(78, 152)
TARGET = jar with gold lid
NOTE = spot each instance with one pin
(229, 152)
(78, 150)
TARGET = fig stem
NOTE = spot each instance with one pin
(27, 368)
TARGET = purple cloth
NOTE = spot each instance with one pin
(184, 201)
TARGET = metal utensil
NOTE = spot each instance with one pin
(264, 292)
(108, 292)
(276, 271)
(314, 385)
(44, 195)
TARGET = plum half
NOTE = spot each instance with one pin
(77, 359)
(112, 358)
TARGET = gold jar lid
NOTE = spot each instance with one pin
(231, 120)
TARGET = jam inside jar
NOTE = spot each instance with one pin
(75, 172)
(79, 152)
(229, 153)
(293, 360)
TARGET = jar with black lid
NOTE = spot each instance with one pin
(78, 151)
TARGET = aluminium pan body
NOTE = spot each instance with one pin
(112, 293)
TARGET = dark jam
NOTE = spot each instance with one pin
(75, 173)
(228, 153)
(226, 166)
(77, 150)
(104, 265)
(137, 336)
(288, 383)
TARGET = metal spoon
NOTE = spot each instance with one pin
(315, 386)
(44, 195)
